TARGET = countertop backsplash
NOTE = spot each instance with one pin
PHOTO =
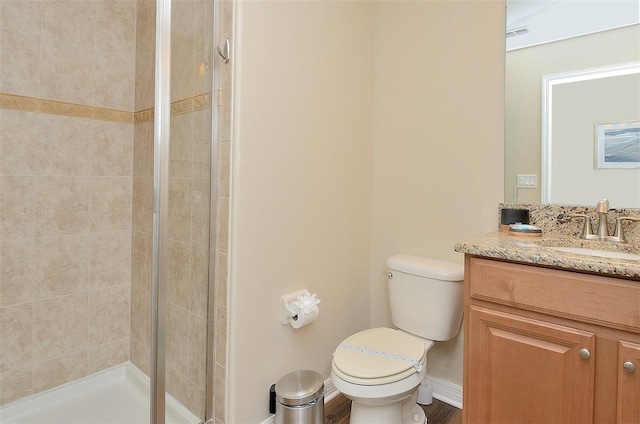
(554, 219)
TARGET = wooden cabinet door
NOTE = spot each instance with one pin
(628, 383)
(521, 370)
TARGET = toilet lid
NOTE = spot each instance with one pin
(379, 353)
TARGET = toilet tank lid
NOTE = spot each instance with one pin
(426, 267)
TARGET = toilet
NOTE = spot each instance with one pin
(381, 369)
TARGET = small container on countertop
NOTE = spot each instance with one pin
(524, 230)
(510, 216)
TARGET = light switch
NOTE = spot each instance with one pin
(527, 181)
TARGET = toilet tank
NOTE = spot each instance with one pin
(426, 296)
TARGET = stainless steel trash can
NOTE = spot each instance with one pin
(300, 398)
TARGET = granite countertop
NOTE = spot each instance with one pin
(537, 251)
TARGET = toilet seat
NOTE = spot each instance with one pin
(378, 356)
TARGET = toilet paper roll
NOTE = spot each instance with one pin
(302, 318)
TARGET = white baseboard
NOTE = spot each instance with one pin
(330, 390)
(443, 390)
(446, 391)
(270, 420)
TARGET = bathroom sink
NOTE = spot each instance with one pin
(598, 253)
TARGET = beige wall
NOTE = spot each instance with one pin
(525, 69)
(438, 141)
(361, 130)
(301, 188)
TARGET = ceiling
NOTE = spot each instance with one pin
(543, 21)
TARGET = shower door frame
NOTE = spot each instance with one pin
(161, 144)
(162, 123)
(213, 222)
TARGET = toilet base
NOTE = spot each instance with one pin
(403, 412)
(425, 393)
(414, 415)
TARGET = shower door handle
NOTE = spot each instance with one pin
(224, 50)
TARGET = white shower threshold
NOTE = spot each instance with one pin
(118, 395)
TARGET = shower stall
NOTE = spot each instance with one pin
(108, 210)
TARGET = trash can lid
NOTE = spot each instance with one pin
(299, 387)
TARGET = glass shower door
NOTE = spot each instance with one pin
(182, 208)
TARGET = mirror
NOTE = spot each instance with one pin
(552, 38)
(591, 136)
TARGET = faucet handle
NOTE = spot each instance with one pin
(619, 231)
(586, 228)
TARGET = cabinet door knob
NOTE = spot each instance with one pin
(584, 353)
(629, 366)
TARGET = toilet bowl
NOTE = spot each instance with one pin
(381, 369)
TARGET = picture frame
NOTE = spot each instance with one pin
(617, 145)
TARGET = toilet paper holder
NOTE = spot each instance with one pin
(302, 298)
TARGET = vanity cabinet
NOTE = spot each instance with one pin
(549, 346)
(629, 383)
(527, 370)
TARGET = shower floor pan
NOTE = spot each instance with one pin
(118, 395)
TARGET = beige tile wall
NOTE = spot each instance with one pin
(76, 185)
(142, 215)
(66, 152)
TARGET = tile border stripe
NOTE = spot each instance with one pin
(191, 104)
(31, 104)
(74, 110)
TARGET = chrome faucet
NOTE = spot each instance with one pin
(602, 208)
(619, 234)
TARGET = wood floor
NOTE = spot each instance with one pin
(337, 411)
